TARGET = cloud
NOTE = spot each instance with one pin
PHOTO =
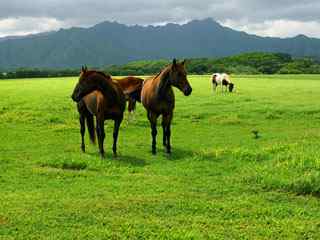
(256, 16)
(28, 25)
(277, 28)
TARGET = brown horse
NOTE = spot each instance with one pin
(131, 87)
(157, 97)
(97, 95)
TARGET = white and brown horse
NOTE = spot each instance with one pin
(223, 80)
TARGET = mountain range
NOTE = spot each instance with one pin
(113, 43)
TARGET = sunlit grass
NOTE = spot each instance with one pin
(221, 181)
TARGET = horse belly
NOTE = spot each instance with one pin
(159, 107)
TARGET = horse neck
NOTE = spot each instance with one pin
(108, 89)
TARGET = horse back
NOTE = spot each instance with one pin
(130, 84)
(226, 77)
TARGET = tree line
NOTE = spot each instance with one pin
(247, 63)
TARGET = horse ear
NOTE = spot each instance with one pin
(174, 62)
(84, 68)
(184, 62)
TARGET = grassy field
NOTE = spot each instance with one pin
(219, 183)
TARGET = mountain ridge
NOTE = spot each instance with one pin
(115, 43)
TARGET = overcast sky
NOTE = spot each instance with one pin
(281, 18)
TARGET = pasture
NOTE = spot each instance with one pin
(220, 182)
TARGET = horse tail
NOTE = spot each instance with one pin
(136, 94)
(131, 104)
(91, 130)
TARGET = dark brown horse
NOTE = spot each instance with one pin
(157, 97)
(131, 87)
(97, 95)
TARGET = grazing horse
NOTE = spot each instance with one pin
(97, 95)
(222, 79)
(131, 87)
(157, 97)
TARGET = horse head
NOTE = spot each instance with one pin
(88, 82)
(231, 86)
(178, 77)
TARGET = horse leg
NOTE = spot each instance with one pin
(164, 132)
(127, 117)
(82, 131)
(166, 122)
(153, 123)
(90, 127)
(115, 135)
(101, 135)
(214, 87)
(131, 108)
(129, 111)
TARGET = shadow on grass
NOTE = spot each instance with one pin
(131, 160)
(66, 165)
(177, 154)
(125, 159)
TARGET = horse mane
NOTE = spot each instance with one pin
(159, 73)
(90, 72)
(163, 74)
(107, 86)
(104, 74)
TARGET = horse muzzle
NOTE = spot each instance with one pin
(75, 97)
(187, 91)
(231, 86)
(76, 93)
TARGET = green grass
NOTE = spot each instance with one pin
(220, 181)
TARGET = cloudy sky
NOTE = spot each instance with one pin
(281, 18)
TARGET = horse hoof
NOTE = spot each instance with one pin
(154, 152)
(102, 156)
